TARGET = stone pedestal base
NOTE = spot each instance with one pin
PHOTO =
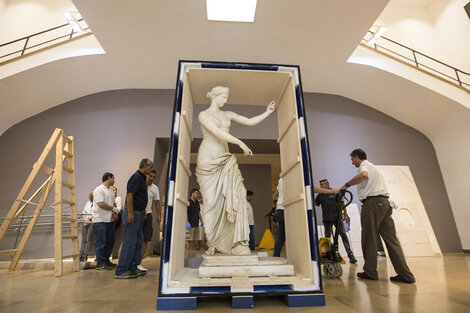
(223, 265)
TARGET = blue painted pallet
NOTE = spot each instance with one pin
(239, 302)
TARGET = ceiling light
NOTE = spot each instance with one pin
(378, 33)
(70, 17)
(231, 10)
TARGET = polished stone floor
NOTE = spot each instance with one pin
(443, 285)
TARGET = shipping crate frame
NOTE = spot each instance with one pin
(255, 84)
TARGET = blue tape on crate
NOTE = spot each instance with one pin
(298, 97)
(179, 97)
(305, 162)
(210, 290)
(167, 233)
(174, 157)
(311, 235)
(239, 66)
(271, 288)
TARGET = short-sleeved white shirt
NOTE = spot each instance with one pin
(374, 185)
(153, 195)
(249, 210)
(106, 195)
(118, 207)
(280, 196)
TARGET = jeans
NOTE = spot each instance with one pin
(328, 228)
(132, 239)
(87, 235)
(251, 243)
(104, 241)
(281, 233)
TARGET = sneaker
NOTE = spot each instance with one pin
(108, 262)
(143, 269)
(139, 272)
(401, 280)
(363, 275)
(126, 275)
(103, 267)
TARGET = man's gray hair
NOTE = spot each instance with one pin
(145, 162)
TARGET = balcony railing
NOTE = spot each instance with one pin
(43, 39)
(419, 60)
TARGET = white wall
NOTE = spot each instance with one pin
(21, 18)
(440, 30)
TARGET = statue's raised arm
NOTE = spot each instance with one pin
(221, 184)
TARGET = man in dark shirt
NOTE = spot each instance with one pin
(132, 218)
(330, 216)
(194, 215)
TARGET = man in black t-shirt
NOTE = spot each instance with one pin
(132, 218)
(328, 203)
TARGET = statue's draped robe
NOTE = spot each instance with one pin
(224, 211)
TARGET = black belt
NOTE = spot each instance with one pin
(378, 196)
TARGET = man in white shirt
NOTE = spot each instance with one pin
(251, 219)
(376, 218)
(117, 209)
(153, 200)
(103, 226)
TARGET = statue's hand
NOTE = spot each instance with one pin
(247, 151)
(271, 107)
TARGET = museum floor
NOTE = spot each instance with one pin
(443, 285)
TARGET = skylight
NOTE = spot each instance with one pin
(231, 10)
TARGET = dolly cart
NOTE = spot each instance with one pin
(329, 254)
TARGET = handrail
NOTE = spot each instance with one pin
(45, 222)
(27, 39)
(456, 80)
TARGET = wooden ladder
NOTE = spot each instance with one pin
(64, 161)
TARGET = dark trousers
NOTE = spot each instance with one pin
(376, 218)
(328, 230)
(104, 241)
(281, 233)
(87, 241)
(251, 243)
(132, 239)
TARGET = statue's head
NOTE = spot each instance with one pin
(218, 94)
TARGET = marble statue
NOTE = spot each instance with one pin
(220, 181)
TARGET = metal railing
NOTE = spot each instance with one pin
(31, 43)
(419, 60)
(44, 222)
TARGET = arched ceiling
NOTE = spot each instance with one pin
(144, 40)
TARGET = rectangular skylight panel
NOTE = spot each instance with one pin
(231, 10)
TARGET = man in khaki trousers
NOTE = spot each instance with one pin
(376, 218)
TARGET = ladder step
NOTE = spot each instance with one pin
(70, 256)
(67, 139)
(68, 201)
(47, 170)
(67, 154)
(7, 252)
(70, 186)
(65, 237)
(67, 169)
(68, 219)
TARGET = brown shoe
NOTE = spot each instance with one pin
(363, 275)
(401, 280)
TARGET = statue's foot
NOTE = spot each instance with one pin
(240, 250)
(210, 251)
